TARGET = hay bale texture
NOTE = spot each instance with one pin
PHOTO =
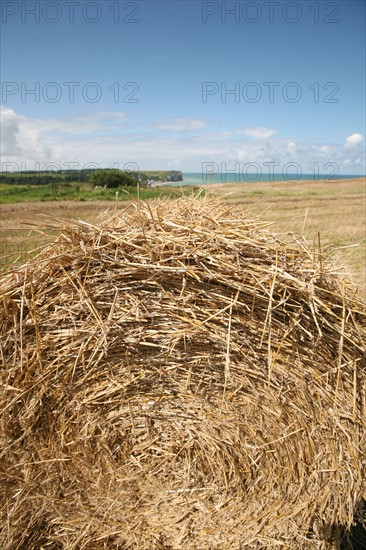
(178, 377)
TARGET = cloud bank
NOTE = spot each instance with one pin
(111, 139)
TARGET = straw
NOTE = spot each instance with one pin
(179, 377)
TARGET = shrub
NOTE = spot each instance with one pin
(111, 178)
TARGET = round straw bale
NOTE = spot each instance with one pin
(178, 377)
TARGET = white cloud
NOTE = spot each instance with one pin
(9, 132)
(353, 140)
(109, 138)
(182, 124)
(291, 146)
(90, 123)
(25, 140)
(20, 138)
(258, 133)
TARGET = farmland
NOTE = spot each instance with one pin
(335, 210)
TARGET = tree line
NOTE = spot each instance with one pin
(105, 177)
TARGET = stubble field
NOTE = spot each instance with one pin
(334, 210)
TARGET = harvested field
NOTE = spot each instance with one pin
(337, 210)
(17, 239)
(178, 377)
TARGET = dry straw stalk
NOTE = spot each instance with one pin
(178, 377)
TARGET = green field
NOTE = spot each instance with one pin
(11, 193)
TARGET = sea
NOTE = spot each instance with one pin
(199, 178)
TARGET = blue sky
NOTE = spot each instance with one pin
(149, 83)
